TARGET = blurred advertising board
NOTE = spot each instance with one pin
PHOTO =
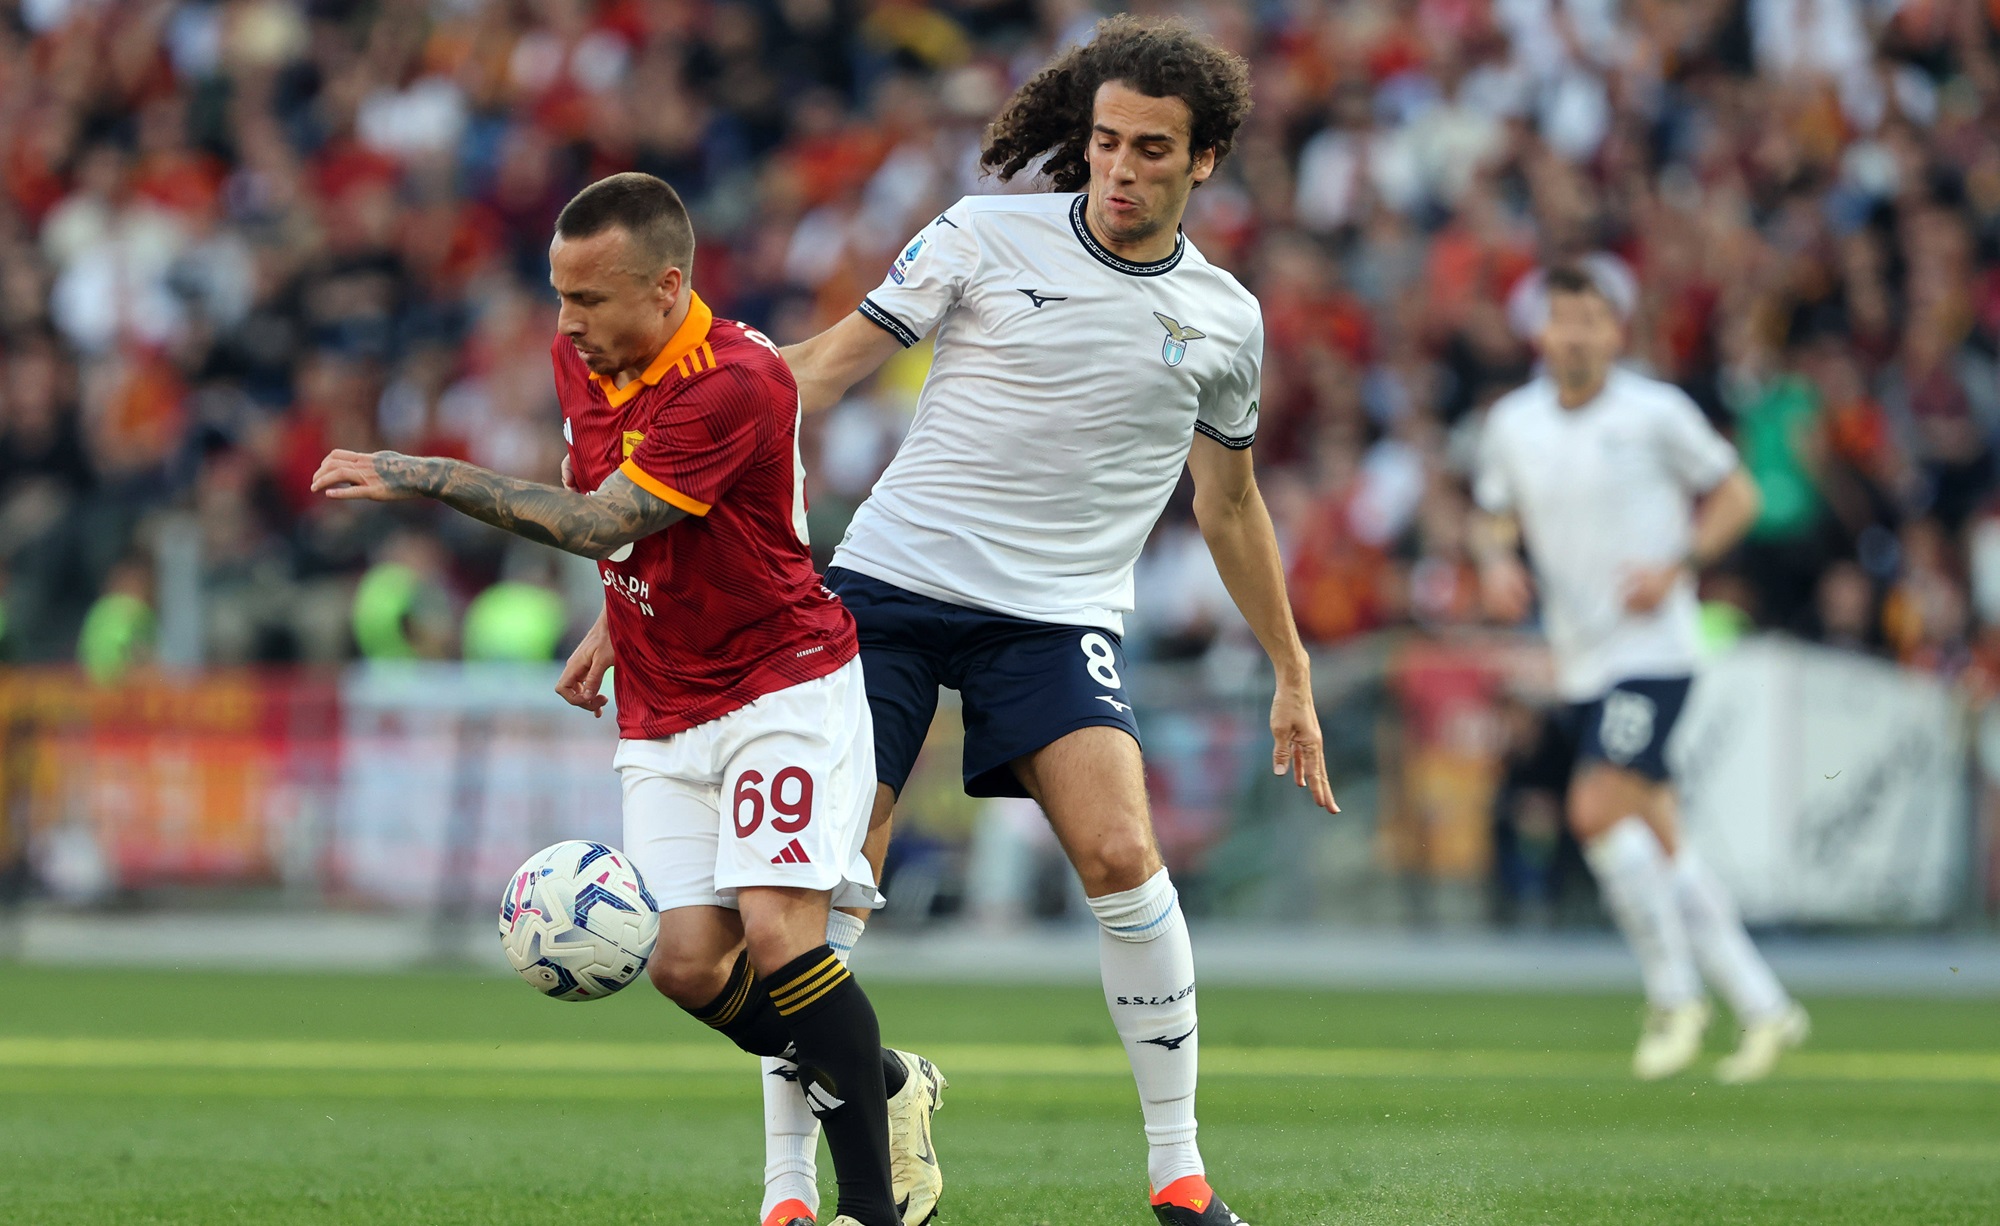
(164, 777)
(451, 775)
(1826, 787)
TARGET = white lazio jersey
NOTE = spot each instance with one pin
(1601, 491)
(1067, 388)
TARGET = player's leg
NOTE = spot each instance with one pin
(1046, 716)
(835, 1039)
(671, 833)
(1091, 783)
(899, 654)
(1772, 1023)
(1614, 793)
(791, 1134)
(801, 785)
(1607, 808)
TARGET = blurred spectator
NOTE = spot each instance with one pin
(1925, 616)
(520, 619)
(403, 606)
(119, 629)
(1845, 608)
(513, 622)
(1780, 434)
(234, 235)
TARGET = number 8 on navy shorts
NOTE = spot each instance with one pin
(1024, 684)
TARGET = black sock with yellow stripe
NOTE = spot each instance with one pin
(745, 1014)
(838, 1046)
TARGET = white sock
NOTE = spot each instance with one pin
(791, 1134)
(1721, 946)
(1148, 967)
(1637, 883)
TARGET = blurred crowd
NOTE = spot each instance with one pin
(234, 234)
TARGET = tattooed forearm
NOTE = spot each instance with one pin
(595, 526)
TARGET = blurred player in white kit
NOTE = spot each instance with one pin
(1623, 492)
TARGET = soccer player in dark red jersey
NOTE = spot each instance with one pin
(746, 747)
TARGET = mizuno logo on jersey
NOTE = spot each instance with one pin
(1039, 298)
(1117, 706)
(1177, 339)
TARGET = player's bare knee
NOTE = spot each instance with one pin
(1121, 861)
(771, 949)
(1587, 816)
(689, 982)
(1602, 796)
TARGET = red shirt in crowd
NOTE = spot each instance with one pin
(724, 606)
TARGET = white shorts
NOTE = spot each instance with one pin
(775, 793)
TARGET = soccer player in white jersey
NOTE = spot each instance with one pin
(1623, 493)
(1085, 352)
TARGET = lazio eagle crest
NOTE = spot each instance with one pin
(1178, 337)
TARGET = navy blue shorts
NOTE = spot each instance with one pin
(1629, 726)
(1024, 684)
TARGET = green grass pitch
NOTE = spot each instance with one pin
(165, 1097)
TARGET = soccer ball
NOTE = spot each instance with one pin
(576, 921)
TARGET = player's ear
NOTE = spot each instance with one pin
(668, 288)
(1203, 165)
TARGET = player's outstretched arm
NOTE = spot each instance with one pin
(837, 359)
(594, 525)
(1237, 527)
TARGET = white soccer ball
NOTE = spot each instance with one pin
(576, 921)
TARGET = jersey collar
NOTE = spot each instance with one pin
(1106, 258)
(692, 332)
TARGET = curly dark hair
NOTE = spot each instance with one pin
(1159, 58)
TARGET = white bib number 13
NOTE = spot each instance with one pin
(1101, 663)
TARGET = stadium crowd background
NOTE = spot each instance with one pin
(235, 234)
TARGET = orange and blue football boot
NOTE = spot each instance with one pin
(790, 1213)
(1189, 1201)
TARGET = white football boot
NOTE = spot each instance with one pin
(1763, 1042)
(1671, 1040)
(913, 1166)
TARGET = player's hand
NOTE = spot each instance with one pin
(1298, 748)
(583, 677)
(1645, 589)
(1505, 589)
(569, 482)
(354, 474)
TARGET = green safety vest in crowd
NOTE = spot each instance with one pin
(383, 600)
(116, 633)
(517, 622)
(1768, 431)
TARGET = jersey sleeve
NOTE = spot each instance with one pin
(1227, 409)
(699, 442)
(1697, 455)
(930, 274)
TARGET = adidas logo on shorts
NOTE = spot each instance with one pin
(792, 854)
